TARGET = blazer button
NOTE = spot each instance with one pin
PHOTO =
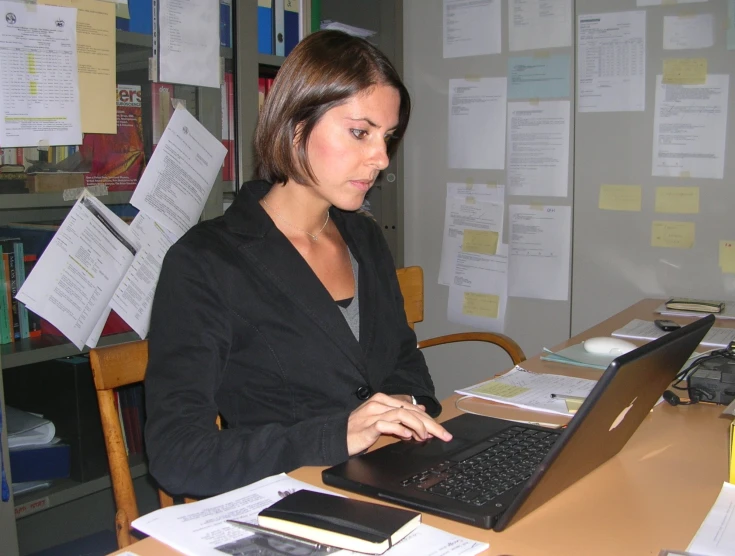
(363, 393)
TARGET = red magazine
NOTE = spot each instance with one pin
(118, 160)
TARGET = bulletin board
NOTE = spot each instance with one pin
(626, 251)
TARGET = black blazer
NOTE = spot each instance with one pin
(241, 326)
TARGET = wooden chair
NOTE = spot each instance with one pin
(112, 367)
(411, 280)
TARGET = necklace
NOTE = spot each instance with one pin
(313, 237)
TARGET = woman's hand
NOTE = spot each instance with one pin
(383, 414)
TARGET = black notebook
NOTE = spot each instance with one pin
(341, 522)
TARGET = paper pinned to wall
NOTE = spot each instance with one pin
(535, 77)
(666, 2)
(688, 32)
(731, 24)
(727, 256)
(534, 25)
(39, 81)
(471, 28)
(462, 214)
(689, 128)
(620, 197)
(189, 42)
(677, 200)
(678, 235)
(477, 112)
(478, 295)
(611, 62)
(538, 261)
(538, 148)
(685, 71)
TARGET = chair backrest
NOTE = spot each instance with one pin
(112, 367)
(411, 281)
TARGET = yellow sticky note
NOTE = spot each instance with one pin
(501, 390)
(480, 241)
(685, 71)
(620, 197)
(679, 235)
(727, 255)
(677, 200)
(481, 305)
(728, 269)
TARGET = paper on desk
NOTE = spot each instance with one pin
(200, 528)
(716, 535)
(180, 174)
(639, 329)
(72, 282)
(530, 390)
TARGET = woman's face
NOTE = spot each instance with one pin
(348, 147)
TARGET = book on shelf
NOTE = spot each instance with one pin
(228, 127)
(265, 27)
(6, 324)
(341, 522)
(291, 30)
(117, 160)
(225, 23)
(162, 108)
(140, 20)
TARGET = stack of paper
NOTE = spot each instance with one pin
(27, 429)
(727, 313)
(638, 329)
(716, 535)
(529, 390)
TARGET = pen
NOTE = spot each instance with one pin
(285, 536)
(565, 397)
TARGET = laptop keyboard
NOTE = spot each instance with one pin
(509, 461)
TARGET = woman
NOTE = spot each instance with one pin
(284, 316)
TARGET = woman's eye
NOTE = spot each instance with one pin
(359, 133)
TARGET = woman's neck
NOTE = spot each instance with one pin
(297, 207)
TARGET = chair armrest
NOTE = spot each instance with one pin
(122, 529)
(513, 350)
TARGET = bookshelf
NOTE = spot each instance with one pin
(73, 499)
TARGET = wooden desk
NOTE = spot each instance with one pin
(654, 494)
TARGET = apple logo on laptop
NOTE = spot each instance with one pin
(622, 414)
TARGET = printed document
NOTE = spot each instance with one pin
(200, 528)
(731, 24)
(478, 296)
(477, 123)
(639, 329)
(39, 90)
(471, 28)
(539, 259)
(134, 296)
(642, 3)
(180, 174)
(480, 216)
(72, 282)
(534, 24)
(538, 148)
(97, 65)
(687, 32)
(188, 42)
(689, 128)
(535, 77)
(716, 535)
(523, 388)
(611, 62)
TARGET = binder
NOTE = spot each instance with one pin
(265, 26)
(291, 25)
(225, 23)
(278, 29)
(141, 18)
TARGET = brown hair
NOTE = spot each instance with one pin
(323, 71)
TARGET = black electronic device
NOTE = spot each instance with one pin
(666, 325)
(715, 377)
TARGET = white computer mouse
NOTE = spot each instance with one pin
(605, 345)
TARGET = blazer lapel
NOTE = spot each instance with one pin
(271, 252)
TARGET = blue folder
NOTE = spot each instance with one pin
(291, 24)
(141, 17)
(265, 26)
